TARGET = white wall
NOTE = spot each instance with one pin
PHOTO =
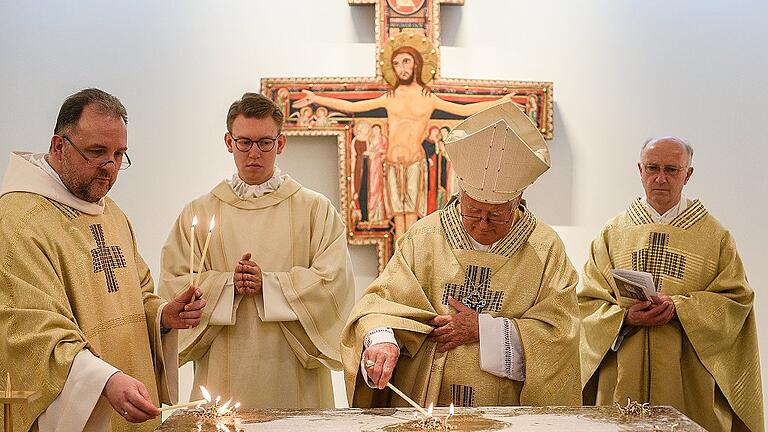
(622, 72)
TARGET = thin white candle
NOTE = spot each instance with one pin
(450, 413)
(192, 251)
(205, 250)
(409, 400)
(183, 405)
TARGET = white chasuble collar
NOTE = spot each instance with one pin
(28, 172)
(458, 238)
(686, 219)
(288, 187)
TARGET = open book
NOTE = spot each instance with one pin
(632, 286)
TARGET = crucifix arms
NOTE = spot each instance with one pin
(467, 109)
(340, 104)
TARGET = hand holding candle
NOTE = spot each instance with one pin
(184, 311)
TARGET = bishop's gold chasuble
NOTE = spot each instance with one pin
(705, 361)
(71, 281)
(295, 234)
(525, 277)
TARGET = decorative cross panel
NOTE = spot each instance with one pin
(106, 258)
(476, 293)
(657, 260)
(393, 168)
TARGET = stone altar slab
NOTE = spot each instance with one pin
(592, 419)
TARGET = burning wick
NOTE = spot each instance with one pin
(214, 411)
(430, 423)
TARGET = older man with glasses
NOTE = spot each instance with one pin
(277, 276)
(694, 345)
(478, 305)
(79, 320)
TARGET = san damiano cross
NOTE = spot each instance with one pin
(390, 128)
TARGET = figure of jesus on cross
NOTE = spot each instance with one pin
(389, 128)
(409, 104)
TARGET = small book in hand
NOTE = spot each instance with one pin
(632, 286)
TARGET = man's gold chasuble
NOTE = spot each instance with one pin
(705, 361)
(525, 277)
(296, 234)
(71, 281)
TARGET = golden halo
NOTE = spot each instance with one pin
(420, 43)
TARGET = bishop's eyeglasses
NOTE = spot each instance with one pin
(246, 144)
(493, 218)
(100, 158)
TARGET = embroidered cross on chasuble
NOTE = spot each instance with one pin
(657, 260)
(476, 292)
(106, 258)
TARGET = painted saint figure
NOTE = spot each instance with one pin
(377, 149)
(360, 145)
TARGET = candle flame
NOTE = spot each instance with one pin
(223, 409)
(194, 221)
(237, 405)
(212, 224)
(206, 395)
(429, 410)
(218, 398)
(450, 410)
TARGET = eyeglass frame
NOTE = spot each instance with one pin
(250, 147)
(488, 220)
(675, 170)
(125, 160)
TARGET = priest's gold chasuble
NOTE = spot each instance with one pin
(705, 361)
(72, 281)
(525, 277)
(297, 236)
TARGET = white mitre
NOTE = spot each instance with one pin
(497, 153)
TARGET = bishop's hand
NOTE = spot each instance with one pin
(248, 279)
(379, 361)
(451, 331)
(184, 311)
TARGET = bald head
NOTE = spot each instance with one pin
(665, 168)
(668, 141)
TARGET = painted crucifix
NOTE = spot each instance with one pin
(393, 168)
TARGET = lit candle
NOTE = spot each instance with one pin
(192, 250)
(206, 395)
(205, 250)
(429, 410)
(223, 410)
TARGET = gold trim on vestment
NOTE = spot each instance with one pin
(456, 234)
(688, 218)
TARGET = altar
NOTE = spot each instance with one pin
(592, 419)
